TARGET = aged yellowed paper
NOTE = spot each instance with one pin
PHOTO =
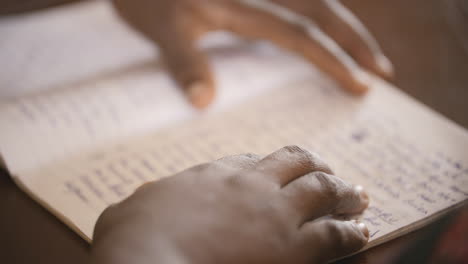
(413, 162)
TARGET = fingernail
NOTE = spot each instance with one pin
(363, 194)
(385, 66)
(363, 228)
(362, 82)
(199, 94)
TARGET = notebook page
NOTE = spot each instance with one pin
(412, 161)
(47, 127)
(55, 47)
(82, 52)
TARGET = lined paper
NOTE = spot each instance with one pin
(50, 126)
(413, 162)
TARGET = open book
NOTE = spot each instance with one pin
(79, 149)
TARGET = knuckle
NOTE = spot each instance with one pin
(312, 160)
(303, 155)
(294, 149)
(307, 159)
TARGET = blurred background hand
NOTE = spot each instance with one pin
(424, 39)
(176, 25)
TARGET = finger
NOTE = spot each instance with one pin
(189, 67)
(347, 30)
(290, 163)
(312, 44)
(318, 194)
(176, 40)
(334, 238)
(239, 162)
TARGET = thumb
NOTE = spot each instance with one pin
(189, 67)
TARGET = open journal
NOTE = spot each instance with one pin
(78, 149)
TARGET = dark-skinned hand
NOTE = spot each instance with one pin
(239, 209)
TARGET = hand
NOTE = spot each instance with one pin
(176, 24)
(239, 209)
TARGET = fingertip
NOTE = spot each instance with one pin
(385, 67)
(364, 197)
(362, 228)
(359, 85)
(336, 238)
(200, 94)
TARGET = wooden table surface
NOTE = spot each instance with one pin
(431, 65)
